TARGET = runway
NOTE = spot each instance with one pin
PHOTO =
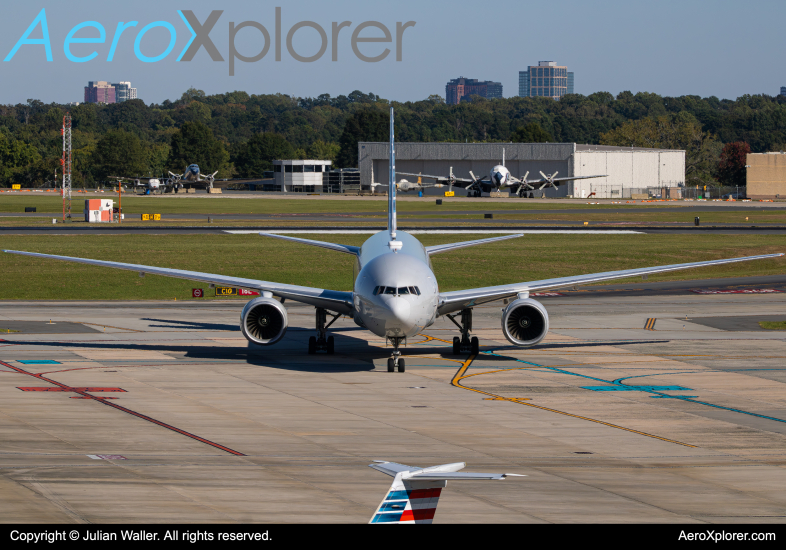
(666, 406)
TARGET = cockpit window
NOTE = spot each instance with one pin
(414, 290)
(377, 289)
(403, 290)
(390, 290)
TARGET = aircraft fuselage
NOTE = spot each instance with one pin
(409, 297)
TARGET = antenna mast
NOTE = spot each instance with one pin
(66, 162)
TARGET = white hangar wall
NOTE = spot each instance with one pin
(626, 168)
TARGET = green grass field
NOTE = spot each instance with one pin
(532, 257)
(773, 325)
(204, 204)
(410, 211)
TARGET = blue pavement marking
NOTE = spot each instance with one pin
(38, 362)
(622, 387)
(617, 385)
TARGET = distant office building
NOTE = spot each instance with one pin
(783, 90)
(124, 91)
(546, 80)
(460, 88)
(300, 176)
(99, 91)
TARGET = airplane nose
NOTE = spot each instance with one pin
(399, 307)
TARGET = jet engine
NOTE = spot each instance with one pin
(263, 321)
(525, 322)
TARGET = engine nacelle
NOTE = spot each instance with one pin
(264, 321)
(525, 322)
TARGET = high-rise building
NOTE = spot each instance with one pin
(99, 91)
(783, 90)
(124, 91)
(460, 88)
(547, 79)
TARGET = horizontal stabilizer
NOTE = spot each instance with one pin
(436, 249)
(330, 246)
(414, 494)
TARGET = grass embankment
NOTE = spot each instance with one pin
(210, 204)
(773, 325)
(532, 257)
(409, 211)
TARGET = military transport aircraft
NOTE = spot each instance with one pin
(192, 175)
(500, 178)
(396, 294)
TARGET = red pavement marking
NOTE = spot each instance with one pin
(123, 409)
(93, 390)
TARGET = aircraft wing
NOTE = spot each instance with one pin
(438, 178)
(458, 300)
(333, 300)
(436, 249)
(544, 180)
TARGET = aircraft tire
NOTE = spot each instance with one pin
(475, 343)
(401, 365)
(312, 345)
(330, 345)
(391, 365)
(456, 345)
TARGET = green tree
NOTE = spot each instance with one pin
(15, 156)
(195, 143)
(531, 133)
(257, 154)
(681, 131)
(322, 150)
(731, 166)
(119, 153)
(364, 125)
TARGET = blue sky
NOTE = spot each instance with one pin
(670, 47)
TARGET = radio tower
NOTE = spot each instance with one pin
(66, 162)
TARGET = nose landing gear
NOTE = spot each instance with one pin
(395, 360)
(465, 344)
(322, 342)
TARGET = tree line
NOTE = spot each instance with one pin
(239, 134)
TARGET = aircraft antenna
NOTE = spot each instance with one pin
(66, 162)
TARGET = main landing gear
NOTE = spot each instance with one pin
(395, 360)
(322, 342)
(465, 344)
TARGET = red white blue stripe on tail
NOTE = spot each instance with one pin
(414, 494)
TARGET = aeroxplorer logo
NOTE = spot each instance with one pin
(368, 31)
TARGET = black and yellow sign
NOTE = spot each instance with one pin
(228, 291)
(450, 193)
(149, 217)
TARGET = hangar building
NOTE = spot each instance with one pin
(628, 170)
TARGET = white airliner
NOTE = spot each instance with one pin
(500, 178)
(395, 294)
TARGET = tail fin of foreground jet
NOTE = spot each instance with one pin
(414, 494)
(392, 189)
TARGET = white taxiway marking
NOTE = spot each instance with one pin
(436, 231)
